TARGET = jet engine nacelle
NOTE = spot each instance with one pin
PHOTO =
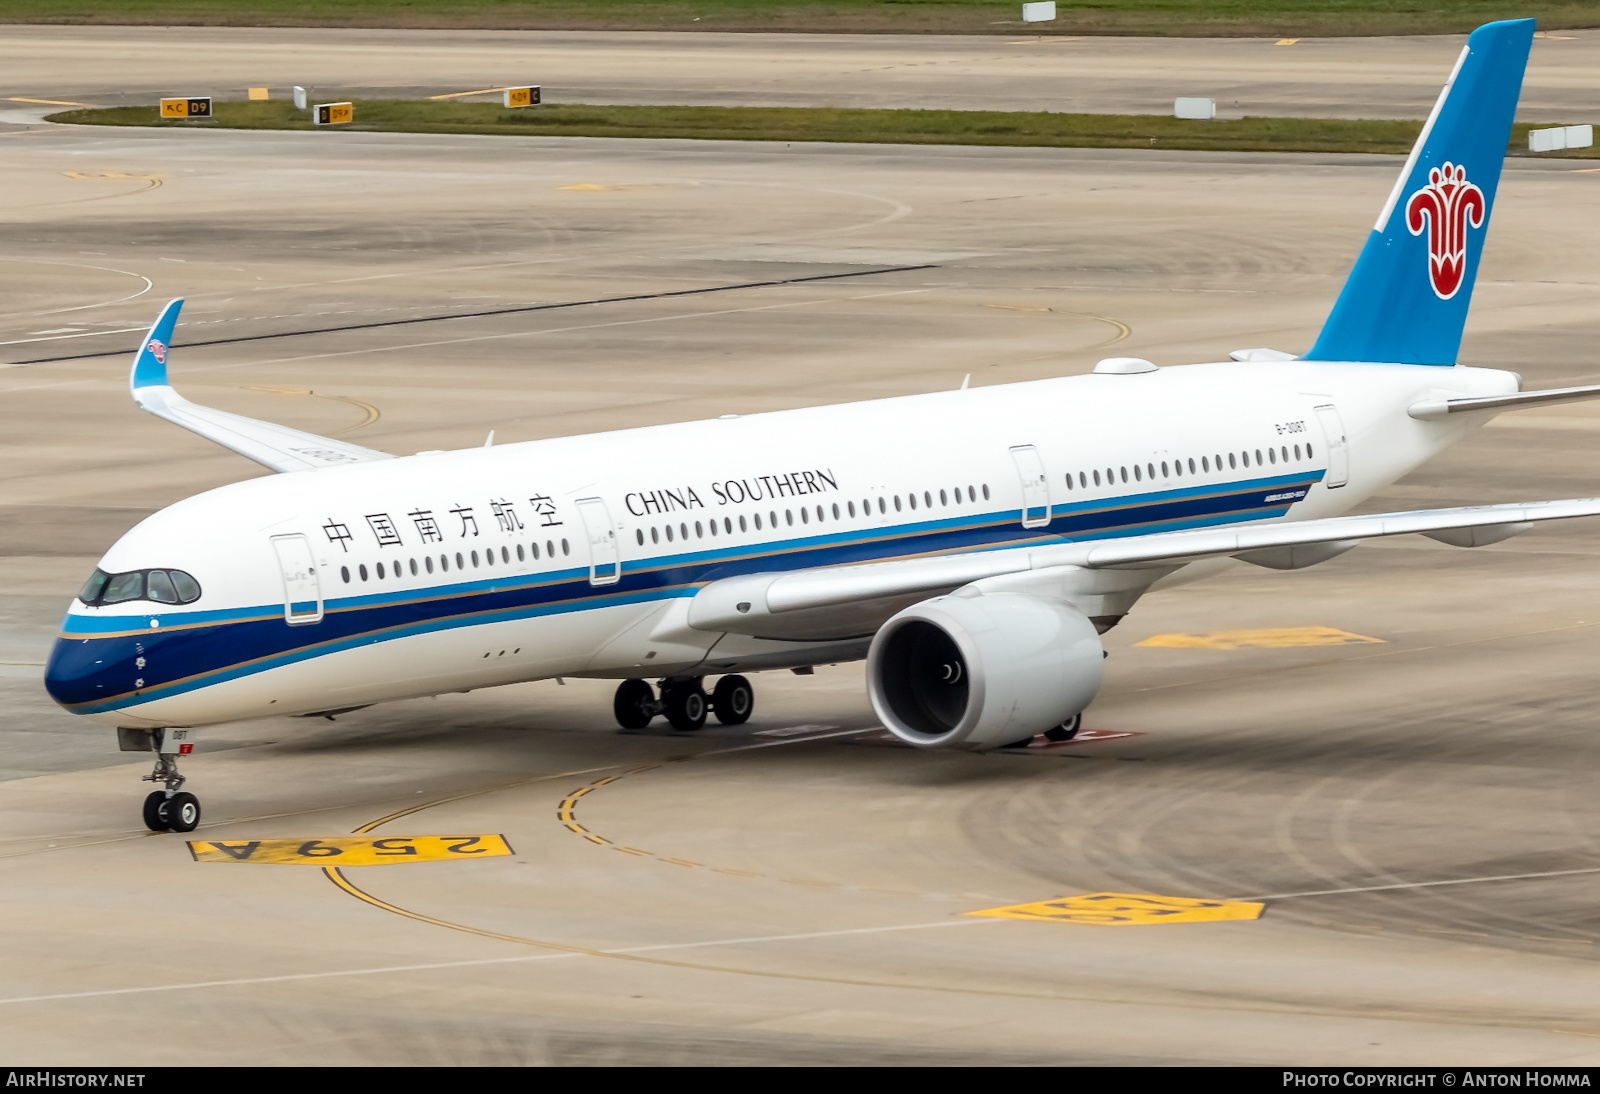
(982, 671)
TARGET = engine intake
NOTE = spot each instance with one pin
(978, 672)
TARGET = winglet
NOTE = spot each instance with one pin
(274, 446)
(150, 363)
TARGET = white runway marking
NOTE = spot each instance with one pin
(1425, 884)
(384, 969)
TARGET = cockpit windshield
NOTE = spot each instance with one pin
(161, 586)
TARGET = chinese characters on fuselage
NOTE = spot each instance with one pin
(386, 531)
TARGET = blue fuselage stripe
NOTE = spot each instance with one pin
(96, 662)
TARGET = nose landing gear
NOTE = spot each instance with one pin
(178, 813)
(169, 810)
(684, 702)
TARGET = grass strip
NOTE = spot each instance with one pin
(795, 124)
(1226, 18)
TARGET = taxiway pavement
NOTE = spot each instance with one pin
(1313, 77)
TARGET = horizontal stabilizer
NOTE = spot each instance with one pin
(1261, 354)
(274, 446)
(1434, 409)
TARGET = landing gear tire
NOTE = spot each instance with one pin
(732, 700)
(170, 810)
(1066, 730)
(635, 704)
(684, 704)
(181, 812)
(155, 812)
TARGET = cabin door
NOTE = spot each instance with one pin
(302, 591)
(1335, 444)
(605, 564)
(1035, 486)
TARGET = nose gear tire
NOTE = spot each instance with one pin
(155, 812)
(181, 812)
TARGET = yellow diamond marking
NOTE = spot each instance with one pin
(1269, 638)
(1128, 909)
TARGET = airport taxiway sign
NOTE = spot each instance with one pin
(333, 114)
(197, 107)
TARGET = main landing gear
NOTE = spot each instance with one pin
(172, 809)
(1056, 734)
(684, 702)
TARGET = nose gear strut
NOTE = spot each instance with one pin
(169, 810)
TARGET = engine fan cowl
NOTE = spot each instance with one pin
(978, 672)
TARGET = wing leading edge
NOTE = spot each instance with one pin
(757, 603)
(274, 446)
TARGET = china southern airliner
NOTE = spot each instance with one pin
(971, 545)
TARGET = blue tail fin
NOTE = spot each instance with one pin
(1406, 300)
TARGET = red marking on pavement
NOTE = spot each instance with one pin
(1038, 744)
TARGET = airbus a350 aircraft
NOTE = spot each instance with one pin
(972, 545)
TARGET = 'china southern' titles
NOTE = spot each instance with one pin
(792, 484)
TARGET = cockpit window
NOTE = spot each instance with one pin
(93, 587)
(161, 586)
(158, 587)
(188, 588)
(124, 587)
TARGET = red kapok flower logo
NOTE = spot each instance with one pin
(158, 350)
(1444, 208)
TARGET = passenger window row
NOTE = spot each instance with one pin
(462, 561)
(1176, 468)
(702, 528)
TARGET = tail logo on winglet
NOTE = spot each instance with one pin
(1444, 208)
(158, 350)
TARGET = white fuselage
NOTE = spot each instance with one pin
(570, 557)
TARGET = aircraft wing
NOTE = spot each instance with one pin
(274, 446)
(1467, 526)
(801, 602)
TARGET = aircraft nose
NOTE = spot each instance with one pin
(70, 670)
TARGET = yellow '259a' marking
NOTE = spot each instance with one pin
(1268, 638)
(1128, 909)
(350, 850)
